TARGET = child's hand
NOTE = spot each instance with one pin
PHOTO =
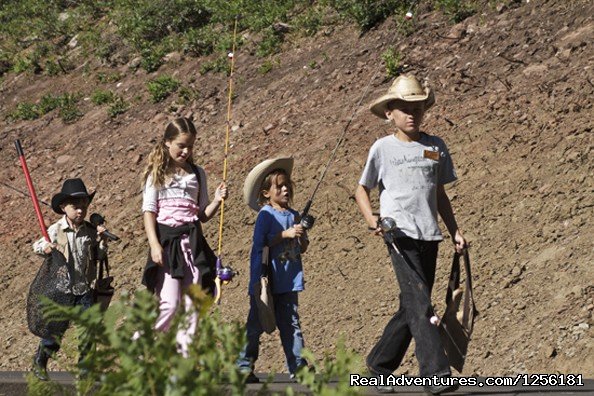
(100, 230)
(293, 232)
(49, 247)
(157, 255)
(460, 242)
(221, 192)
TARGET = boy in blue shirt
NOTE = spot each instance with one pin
(269, 189)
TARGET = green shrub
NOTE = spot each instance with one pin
(24, 112)
(118, 106)
(109, 77)
(100, 97)
(218, 65)
(456, 10)
(132, 358)
(161, 87)
(333, 368)
(368, 13)
(392, 58)
(69, 111)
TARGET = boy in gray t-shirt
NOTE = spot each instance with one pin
(410, 169)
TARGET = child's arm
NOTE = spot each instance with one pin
(150, 226)
(296, 231)
(42, 246)
(444, 207)
(364, 203)
(210, 210)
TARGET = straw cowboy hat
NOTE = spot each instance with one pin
(72, 188)
(253, 181)
(407, 89)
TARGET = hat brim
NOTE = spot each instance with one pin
(380, 106)
(253, 181)
(59, 199)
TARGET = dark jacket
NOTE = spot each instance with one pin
(170, 239)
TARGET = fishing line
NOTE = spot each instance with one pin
(307, 221)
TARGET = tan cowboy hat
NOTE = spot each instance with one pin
(253, 181)
(407, 89)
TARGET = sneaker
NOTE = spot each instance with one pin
(40, 372)
(301, 368)
(380, 388)
(252, 378)
(439, 389)
(384, 389)
(40, 363)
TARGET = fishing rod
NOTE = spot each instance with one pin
(23, 193)
(225, 273)
(307, 220)
(388, 226)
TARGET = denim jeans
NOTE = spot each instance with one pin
(52, 345)
(415, 279)
(287, 321)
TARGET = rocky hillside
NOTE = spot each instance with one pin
(514, 87)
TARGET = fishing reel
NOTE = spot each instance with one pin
(307, 221)
(226, 274)
(387, 224)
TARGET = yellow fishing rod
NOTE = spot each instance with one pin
(225, 273)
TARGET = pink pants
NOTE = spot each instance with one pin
(170, 292)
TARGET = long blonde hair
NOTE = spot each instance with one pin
(158, 159)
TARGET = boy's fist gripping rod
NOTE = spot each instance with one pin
(32, 194)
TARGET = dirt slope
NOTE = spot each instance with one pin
(514, 92)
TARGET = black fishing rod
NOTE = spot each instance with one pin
(307, 220)
(23, 193)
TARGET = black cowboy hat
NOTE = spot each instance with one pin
(72, 188)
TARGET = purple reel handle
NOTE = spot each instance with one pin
(225, 273)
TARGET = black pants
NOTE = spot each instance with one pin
(415, 277)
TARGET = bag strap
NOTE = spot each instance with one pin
(469, 309)
(265, 262)
(103, 263)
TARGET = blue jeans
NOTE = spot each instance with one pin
(287, 321)
(415, 279)
(52, 345)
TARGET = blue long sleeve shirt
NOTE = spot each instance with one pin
(285, 257)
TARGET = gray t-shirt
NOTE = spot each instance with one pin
(407, 174)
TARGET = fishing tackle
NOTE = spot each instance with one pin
(307, 220)
(225, 273)
(388, 226)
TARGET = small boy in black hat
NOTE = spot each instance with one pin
(82, 246)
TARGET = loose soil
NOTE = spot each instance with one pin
(514, 88)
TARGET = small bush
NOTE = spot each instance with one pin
(392, 60)
(109, 77)
(368, 13)
(69, 111)
(218, 65)
(30, 111)
(161, 87)
(118, 106)
(456, 10)
(24, 112)
(333, 368)
(132, 358)
(100, 97)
